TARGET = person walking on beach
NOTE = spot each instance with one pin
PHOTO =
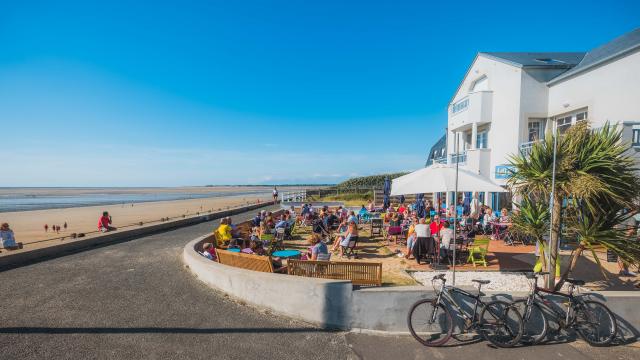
(275, 195)
(8, 239)
(65, 226)
(104, 223)
(46, 228)
(57, 227)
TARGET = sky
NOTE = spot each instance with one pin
(123, 93)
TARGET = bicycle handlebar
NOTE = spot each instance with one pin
(439, 277)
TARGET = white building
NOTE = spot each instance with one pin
(507, 101)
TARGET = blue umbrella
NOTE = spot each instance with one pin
(387, 191)
(420, 210)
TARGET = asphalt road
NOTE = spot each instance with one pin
(136, 300)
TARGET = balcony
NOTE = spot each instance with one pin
(440, 160)
(525, 148)
(476, 108)
(460, 158)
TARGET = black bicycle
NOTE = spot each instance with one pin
(592, 320)
(431, 323)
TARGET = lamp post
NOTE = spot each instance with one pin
(455, 213)
(552, 272)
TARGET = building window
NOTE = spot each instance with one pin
(534, 131)
(581, 116)
(635, 137)
(482, 140)
(563, 124)
(459, 106)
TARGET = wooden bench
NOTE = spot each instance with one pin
(245, 261)
(360, 273)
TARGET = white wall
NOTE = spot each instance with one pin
(505, 82)
(611, 92)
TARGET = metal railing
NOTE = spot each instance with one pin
(525, 148)
(440, 160)
(293, 196)
(460, 158)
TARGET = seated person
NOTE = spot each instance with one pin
(317, 248)
(223, 233)
(319, 227)
(350, 235)
(208, 251)
(255, 222)
(504, 216)
(411, 239)
(7, 238)
(282, 223)
(363, 212)
(487, 219)
(446, 234)
(255, 247)
(371, 207)
(342, 230)
(330, 220)
(104, 223)
(352, 216)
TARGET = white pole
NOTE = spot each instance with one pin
(455, 214)
(552, 272)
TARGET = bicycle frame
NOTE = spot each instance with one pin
(446, 292)
(565, 318)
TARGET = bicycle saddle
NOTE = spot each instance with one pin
(483, 282)
(575, 282)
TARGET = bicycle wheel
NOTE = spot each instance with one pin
(501, 324)
(535, 322)
(430, 323)
(595, 323)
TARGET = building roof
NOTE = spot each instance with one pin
(439, 146)
(562, 60)
(614, 48)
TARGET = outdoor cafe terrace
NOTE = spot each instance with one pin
(379, 242)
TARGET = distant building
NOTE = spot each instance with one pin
(438, 152)
(508, 100)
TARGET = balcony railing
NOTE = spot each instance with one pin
(440, 160)
(459, 158)
(525, 148)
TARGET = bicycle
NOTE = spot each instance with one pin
(431, 323)
(592, 320)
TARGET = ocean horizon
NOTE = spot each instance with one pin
(43, 198)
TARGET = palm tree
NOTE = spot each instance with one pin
(532, 219)
(593, 169)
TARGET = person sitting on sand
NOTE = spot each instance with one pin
(104, 223)
(7, 239)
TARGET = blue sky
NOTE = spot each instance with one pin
(219, 92)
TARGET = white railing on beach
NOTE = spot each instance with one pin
(293, 196)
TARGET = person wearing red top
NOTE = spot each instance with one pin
(436, 226)
(401, 209)
(104, 223)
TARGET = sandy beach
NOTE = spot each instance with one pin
(28, 226)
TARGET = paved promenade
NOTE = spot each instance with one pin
(135, 300)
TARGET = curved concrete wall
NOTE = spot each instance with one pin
(326, 303)
(335, 304)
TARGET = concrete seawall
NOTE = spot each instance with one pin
(21, 258)
(336, 304)
(325, 303)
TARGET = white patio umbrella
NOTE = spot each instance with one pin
(441, 178)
